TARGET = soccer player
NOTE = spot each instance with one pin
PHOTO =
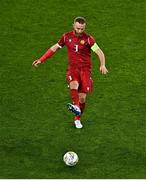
(79, 45)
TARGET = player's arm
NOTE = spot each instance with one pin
(95, 48)
(50, 52)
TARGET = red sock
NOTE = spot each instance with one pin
(75, 96)
(77, 118)
(82, 107)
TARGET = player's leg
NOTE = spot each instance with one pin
(74, 85)
(73, 78)
(86, 86)
(82, 100)
(75, 106)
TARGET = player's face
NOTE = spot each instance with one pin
(79, 28)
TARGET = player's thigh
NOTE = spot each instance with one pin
(73, 78)
(82, 97)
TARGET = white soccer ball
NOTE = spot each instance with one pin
(70, 158)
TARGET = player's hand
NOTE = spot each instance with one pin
(103, 69)
(36, 63)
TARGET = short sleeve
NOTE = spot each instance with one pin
(61, 41)
(91, 41)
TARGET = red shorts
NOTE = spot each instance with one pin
(83, 76)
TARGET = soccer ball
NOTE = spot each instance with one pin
(70, 158)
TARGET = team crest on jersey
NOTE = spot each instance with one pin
(82, 42)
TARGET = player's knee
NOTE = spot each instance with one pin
(82, 98)
(74, 85)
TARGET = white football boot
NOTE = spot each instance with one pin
(78, 124)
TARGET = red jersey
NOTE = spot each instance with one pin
(79, 48)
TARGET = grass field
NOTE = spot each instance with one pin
(35, 127)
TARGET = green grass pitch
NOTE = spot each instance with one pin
(35, 127)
